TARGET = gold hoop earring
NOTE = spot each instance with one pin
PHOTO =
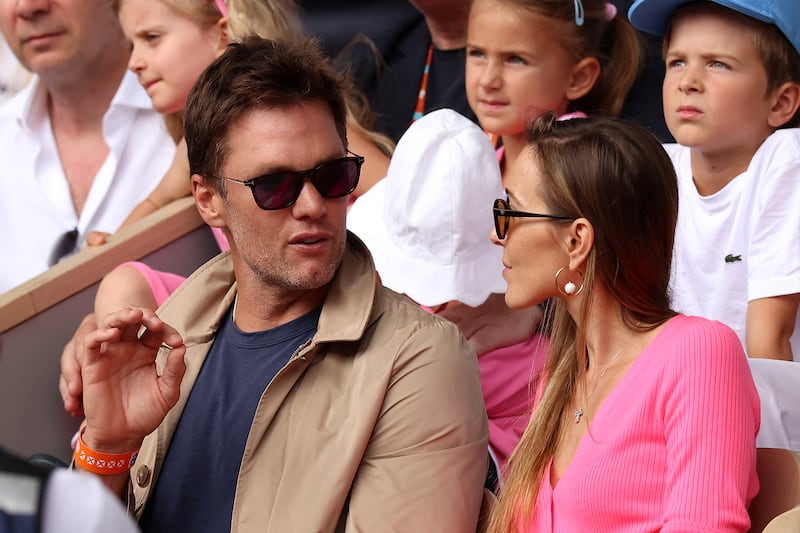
(569, 288)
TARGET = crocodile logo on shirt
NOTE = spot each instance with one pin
(730, 258)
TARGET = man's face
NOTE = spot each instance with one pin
(297, 248)
(50, 35)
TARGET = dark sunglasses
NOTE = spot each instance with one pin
(503, 216)
(277, 190)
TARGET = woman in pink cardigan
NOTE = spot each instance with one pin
(646, 420)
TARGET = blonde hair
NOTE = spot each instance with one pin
(613, 42)
(615, 174)
(270, 19)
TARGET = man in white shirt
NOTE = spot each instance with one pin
(81, 145)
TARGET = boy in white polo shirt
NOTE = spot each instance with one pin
(732, 80)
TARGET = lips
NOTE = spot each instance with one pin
(41, 37)
(688, 112)
(492, 104)
(148, 84)
(309, 239)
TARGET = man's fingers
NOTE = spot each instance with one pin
(170, 380)
(97, 238)
(158, 333)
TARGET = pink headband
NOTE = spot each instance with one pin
(223, 9)
(611, 12)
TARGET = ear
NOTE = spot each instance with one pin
(584, 76)
(223, 32)
(209, 203)
(578, 241)
(785, 101)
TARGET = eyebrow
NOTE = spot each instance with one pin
(285, 168)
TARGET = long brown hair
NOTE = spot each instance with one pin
(615, 174)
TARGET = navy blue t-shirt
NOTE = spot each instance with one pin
(196, 487)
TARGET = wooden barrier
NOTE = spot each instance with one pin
(40, 316)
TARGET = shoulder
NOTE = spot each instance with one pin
(701, 349)
(691, 333)
(781, 149)
(409, 325)
(788, 138)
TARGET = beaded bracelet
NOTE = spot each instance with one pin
(106, 464)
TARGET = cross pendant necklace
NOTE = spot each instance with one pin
(579, 410)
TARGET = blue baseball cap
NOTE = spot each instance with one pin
(652, 16)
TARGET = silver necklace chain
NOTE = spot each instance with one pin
(579, 411)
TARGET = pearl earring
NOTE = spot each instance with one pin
(570, 288)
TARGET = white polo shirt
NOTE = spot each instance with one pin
(35, 200)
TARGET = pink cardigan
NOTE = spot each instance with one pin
(672, 447)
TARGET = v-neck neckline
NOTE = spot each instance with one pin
(623, 381)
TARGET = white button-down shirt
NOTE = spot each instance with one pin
(34, 194)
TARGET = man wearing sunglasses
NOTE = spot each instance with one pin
(290, 391)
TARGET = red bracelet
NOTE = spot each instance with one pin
(106, 464)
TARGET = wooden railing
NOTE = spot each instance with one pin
(39, 317)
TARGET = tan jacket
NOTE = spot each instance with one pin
(377, 424)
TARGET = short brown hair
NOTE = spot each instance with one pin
(256, 74)
(780, 58)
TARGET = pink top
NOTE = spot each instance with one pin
(672, 447)
(162, 284)
(509, 375)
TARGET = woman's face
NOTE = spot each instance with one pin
(169, 50)
(533, 250)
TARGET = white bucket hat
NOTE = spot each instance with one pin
(428, 222)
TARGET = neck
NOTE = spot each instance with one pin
(712, 171)
(604, 329)
(259, 309)
(82, 98)
(513, 145)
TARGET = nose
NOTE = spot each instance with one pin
(30, 8)
(310, 203)
(494, 239)
(136, 63)
(689, 80)
(491, 76)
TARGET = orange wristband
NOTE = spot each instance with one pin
(106, 464)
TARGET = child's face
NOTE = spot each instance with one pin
(715, 87)
(515, 69)
(169, 51)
